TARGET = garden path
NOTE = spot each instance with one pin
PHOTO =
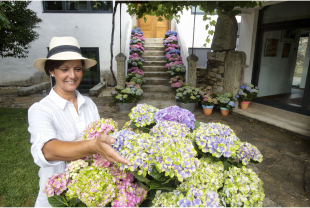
(285, 169)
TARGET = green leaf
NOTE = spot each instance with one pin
(57, 201)
(140, 177)
(157, 185)
(81, 204)
(197, 124)
(254, 162)
(158, 176)
(213, 159)
(73, 202)
(144, 129)
(227, 165)
(142, 185)
(133, 125)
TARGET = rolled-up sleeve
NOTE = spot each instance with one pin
(41, 130)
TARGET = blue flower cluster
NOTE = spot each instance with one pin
(200, 198)
(175, 113)
(217, 139)
(143, 115)
(171, 33)
(248, 152)
(137, 30)
(174, 51)
(169, 129)
(121, 137)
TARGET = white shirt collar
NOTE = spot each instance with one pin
(62, 102)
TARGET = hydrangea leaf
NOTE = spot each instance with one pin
(157, 185)
(139, 177)
(227, 165)
(81, 204)
(73, 202)
(142, 185)
(157, 175)
(197, 124)
(133, 125)
(57, 201)
(254, 162)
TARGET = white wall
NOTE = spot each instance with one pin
(247, 37)
(306, 65)
(276, 73)
(90, 29)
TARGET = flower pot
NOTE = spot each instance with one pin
(244, 105)
(224, 111)
(188, 106)
(207, 110)
(125, 107)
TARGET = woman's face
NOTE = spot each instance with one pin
(68, 76)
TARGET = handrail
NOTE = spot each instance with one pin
(184, 50)
(127, 43)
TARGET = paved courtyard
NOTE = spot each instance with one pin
(285, 169)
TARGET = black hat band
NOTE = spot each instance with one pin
(63, 48)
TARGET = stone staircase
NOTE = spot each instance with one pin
(156, 90)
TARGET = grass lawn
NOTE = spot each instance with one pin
(19, 175)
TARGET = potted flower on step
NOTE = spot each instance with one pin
(225, 103)
(188, 97)
(246, 94)
(208, 102)
(126, 98)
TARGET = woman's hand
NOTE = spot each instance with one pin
(104, 148)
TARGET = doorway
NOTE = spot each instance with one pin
(153, 28)
(282, 57)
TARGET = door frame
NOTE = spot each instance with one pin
(261, 28)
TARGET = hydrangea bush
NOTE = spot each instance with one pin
(176, 82)
(226, 100)
(247, 92)
(136, 78)
(187, 94)
(143, 115)
(126, 95)
(176, 70)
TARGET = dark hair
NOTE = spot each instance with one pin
(50, 65)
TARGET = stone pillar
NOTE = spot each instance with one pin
(121, 61)
(192, 70)
(215, 68)
(234, 68)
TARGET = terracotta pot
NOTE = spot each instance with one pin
(244, 105)
(207, 110)
(224, 111)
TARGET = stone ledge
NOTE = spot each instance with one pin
(34, 88)
(96, 90)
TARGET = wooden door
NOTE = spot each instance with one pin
(153, 28)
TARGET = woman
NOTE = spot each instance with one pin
(62, 116)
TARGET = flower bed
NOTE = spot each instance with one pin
(176, 161)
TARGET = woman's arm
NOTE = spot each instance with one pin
(66, 151)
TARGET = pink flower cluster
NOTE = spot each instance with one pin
(178, 84)
(174, 57)
(173, 45)
(133, 84)
(138, 45)
(56, 184)
(133, 56)
(94, 129)
(170, 48)
(132, 69)
(129, 194)
(136, 34)
(173, 63)
(139, 71)
(139, 36)
(173, 38)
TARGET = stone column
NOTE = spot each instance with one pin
(192, 70)
(234, 68)
(121, 61)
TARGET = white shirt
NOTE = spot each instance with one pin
(56, 118)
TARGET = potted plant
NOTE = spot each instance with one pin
(226, 103)
(177, 82)
(126, 98)
(246, 94)
(136, 78)
(208, 102)
(188, 97)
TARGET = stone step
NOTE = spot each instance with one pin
(154, 58)
(157, 81)
(154, 40)
(154, 53)
(158, 95)
(155, 63)
(156, 74)
(154, 48)
(157, 88)
(154, 45)
(160, 104)
(154, 69)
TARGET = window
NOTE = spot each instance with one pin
(78, 6)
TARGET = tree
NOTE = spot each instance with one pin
(173, 9)
(18, 28)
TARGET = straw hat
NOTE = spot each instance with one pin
(63, 48)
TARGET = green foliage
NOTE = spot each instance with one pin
(19, 174)
(173, 9)
(18, 28)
